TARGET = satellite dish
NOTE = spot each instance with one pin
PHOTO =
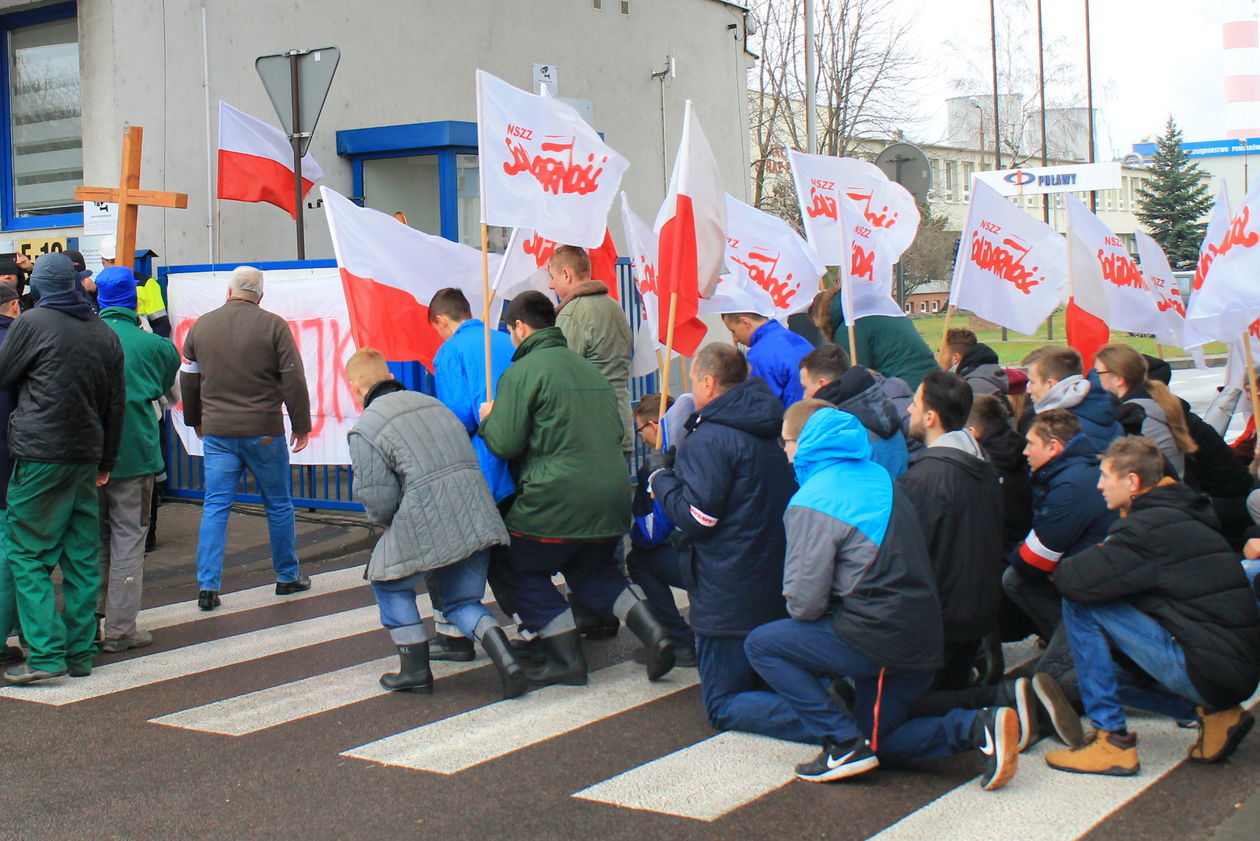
(906, 164)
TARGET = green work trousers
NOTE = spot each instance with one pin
(8, 607)
(53, 521)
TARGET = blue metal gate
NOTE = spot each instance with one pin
(331, 486)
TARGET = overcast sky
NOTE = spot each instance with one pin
(1150, 58)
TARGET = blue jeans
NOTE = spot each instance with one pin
(226, 461)
(1105, 689)
(463, 583)
(792, 655)
(735, 698)
(655, 570)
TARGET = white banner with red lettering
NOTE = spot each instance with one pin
(763, 251)
(542, 167)
(886, 206)
(313, 303)
(1170, 328)
(1011, 268)
(1227, 298)
(866, 277)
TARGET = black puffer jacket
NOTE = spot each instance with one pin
(67, 368)
(6, 407)
(1005, 447)
(1213, 468)
(1167, 560)
(727, 493)
(959, 499)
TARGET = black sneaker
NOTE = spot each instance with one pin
(208, 599)
(839, 761)
(458, 649)
(1063, 717)
(995, 733)
(1025, 705)
(297, 585)
(11, 654)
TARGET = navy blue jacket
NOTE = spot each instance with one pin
(727, 493)
(857, 393)
(775, 354)
(6, 408)
(1097, 415)
(1069, 512)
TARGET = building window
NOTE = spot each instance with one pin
(42, 132)
(951, 180)
(936, 306)
(922, 306)
(597, 5)
(625, 7)
(909, 308)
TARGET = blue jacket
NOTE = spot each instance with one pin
(1069, 513)
(775, 354)
(460, 371)
(727, 493)
(854, 549)
(6, 409)
(1097, 415)
(857, 393)
(650, 526)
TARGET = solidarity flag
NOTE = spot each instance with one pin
(734, 293)
(390, 272)
(644, 249)
(524, 265)
(256, 162)
(691, 226)
(1011, 268)
(866, 276)
(763, 252)
(1225, 297)
(542, 167)
(1169, 324)
(821, 183)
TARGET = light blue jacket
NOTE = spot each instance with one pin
(460, 371)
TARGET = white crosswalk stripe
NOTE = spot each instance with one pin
(462, 741)
(202, 657)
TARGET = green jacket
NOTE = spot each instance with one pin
(150, 364)
(596, 329)
(888, 344)
(555, 420)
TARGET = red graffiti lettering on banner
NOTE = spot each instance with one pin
(863, 264)
(518, 131)
(645, 274)
(821, 184)
(1254, 329)
(1002, 260)
(1166, 303)
(1120, 270)
(556, 175)
(330, 398)
(732, 243)
(991, 227)
(1201, 267)
(822, 204)
(1114, 242)
(1238, 235)
(781, 291)
(884, 218)
(540, 248)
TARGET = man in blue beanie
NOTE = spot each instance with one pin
(150, 364)
(67, 369)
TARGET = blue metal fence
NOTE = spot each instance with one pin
(331, 486)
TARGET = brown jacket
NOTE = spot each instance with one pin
(241, 364)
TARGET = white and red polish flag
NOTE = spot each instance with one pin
(542, 167)
(763, 251)
(1169, 326)
(390, 273)
(1011, 269)
(822, 180)
(524, 265)
(866, 276)
(644, 249)
(691, 226)
(256, 162)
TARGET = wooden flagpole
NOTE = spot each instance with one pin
(669, 352)
(853, 357)
(683, 370)
(485, 292)
(949, 316)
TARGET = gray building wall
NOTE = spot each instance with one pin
(401, 62)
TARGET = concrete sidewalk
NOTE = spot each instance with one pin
(325, 540)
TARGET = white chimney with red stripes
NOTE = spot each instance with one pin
(1241, 42)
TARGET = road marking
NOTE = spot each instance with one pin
(179, 613)
(462, 741)
(706, 780)
(201, 657)
(288, 702)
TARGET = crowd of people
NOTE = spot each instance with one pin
(856, 541)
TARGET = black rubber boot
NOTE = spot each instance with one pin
(457, 649)
(413, 673)
(592, 624)
(564, 664)
(497, 648)
(659, 658)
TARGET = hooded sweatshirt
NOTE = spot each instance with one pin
(981, 369)
(857, 393)
(1085, 398)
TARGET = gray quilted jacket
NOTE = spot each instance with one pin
(416, 474)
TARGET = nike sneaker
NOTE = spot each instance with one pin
(839, 761)
(995, 733)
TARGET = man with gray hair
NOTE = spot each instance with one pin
(241, 365)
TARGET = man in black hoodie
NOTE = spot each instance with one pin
(955, 490)
(1166, 590)
(727, 493)
(975, 362)
(67, 368)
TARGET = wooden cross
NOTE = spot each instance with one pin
(129, 197)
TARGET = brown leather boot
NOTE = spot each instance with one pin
(1220, 733)
(1102, 753)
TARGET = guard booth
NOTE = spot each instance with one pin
(319, 486)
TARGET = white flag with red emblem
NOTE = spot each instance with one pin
(1227, 298)
(1011, 269)
(542, 167)
(1170, 324)
(866, 277)
(643, 248)
(691, 226)
(1218, 224)
(821, 181)
(763, 251)
(524, 265)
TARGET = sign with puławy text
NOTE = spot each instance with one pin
(1073, 178)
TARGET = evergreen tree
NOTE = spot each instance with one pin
(1174, 199)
